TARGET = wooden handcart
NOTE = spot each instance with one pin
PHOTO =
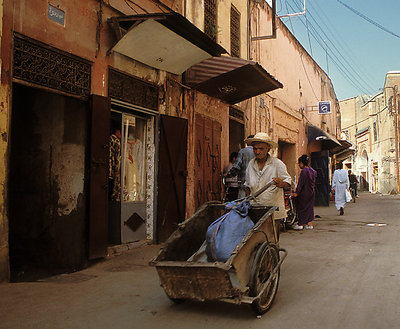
(250, 275)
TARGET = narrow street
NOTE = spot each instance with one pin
(343, 274)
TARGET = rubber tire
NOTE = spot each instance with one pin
(267, 257)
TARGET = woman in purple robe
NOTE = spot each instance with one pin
(305, 193)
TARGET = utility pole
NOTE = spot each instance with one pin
(396, 125)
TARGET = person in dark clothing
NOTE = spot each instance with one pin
(239, 167)
(353, 183)
(305, 193)
(231, 183)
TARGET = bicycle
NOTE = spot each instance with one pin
(290, 206)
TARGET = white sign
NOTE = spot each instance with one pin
(324, 107)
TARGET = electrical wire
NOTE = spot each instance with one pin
(340, 41)
(369, 19)
(346, 72)
(290, 20)
(308, 33)
(369, 87)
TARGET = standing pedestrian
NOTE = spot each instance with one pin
(340, 183)
(305, 193)
(353, 183)
(239, 167)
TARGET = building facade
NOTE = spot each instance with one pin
(369, 123)
(172, 86)
(291, 114)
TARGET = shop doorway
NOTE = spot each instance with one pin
(287, 153)
(320, 163)
(236, 136)
(46, 189)
(131, 176)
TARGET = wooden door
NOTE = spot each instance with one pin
(99, 153)
(172, 173)
(207, 160)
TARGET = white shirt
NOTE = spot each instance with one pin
(256, 179)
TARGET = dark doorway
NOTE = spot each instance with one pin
(172, 175)
(287, 153)
(320, 163)
(47, 197)
(236, 136)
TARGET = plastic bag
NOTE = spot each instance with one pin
(348, 196)
(225, 233)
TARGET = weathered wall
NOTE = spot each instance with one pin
(359, 114)
(79, 37)
(304, 82)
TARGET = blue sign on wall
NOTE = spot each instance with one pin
(56, 15)
(324, 107)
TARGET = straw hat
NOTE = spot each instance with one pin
(261, 138)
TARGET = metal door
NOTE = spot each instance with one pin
(98, 205)
(172, 173)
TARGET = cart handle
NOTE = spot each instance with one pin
(256, 194)
(261, 190)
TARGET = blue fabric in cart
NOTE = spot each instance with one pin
(225, 233)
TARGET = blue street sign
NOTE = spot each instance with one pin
(324, 107)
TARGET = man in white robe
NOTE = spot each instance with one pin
(340, 183)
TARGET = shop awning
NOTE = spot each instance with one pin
(166, 41)
(230, 79)
(344, 145)
(344, 151)
(328, 141)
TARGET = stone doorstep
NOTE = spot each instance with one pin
(120, 248)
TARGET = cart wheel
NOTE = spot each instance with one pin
(265, 261)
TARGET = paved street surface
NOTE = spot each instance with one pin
(343, 274)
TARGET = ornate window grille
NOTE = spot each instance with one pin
(210, 19)
(132, 90)
(235, 32)
(45, 66)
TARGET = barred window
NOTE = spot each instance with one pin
(210, 19)
(235, 32)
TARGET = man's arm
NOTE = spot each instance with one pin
(283, 179)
